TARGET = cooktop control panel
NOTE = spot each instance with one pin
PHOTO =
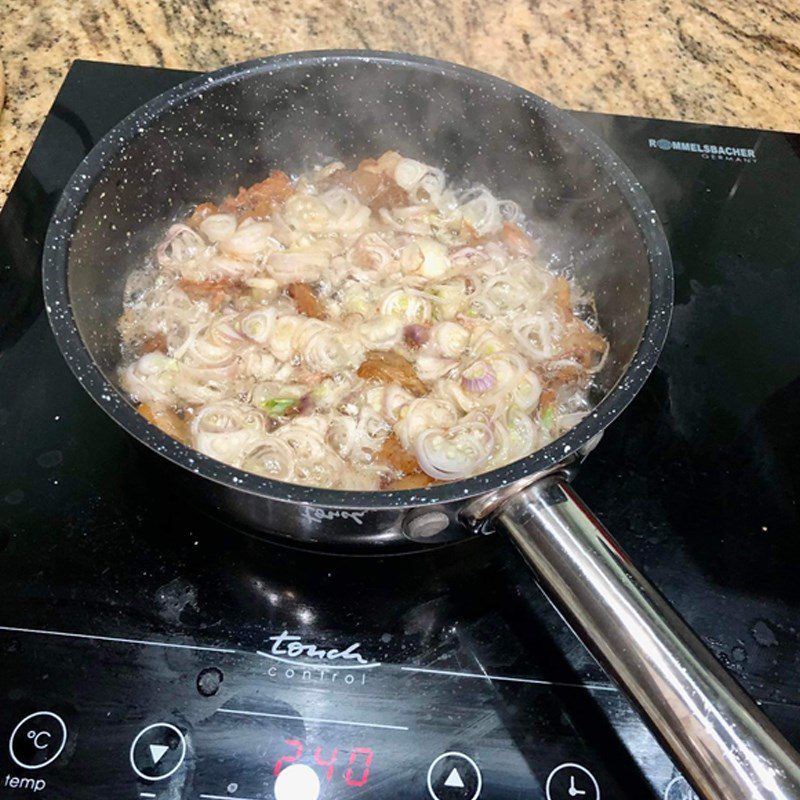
(149, 652)
(91, 716)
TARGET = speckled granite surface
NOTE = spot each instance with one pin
(714, 60)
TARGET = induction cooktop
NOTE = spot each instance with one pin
(149, 651)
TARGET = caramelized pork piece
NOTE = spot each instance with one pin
(306, 300)
(200, 213)
(373, 189)
(561, 294)
(214, 292)
(396, 456)
(166, 420)
(390, 367)
(260, 199)
(156, 342)
(472, 237)
(517, 240)
(584, 345)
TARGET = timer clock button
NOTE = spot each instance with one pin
(37, 740)
(157, 751)
(571, 782)
(454, 776)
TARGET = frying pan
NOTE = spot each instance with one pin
(209, 135)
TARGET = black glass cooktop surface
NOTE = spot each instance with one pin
(147, 651)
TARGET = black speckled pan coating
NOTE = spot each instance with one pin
(206, 137)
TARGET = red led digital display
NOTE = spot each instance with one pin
(354, 772)
(356, 763)
(329, 762)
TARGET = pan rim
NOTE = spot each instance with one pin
(55, 278)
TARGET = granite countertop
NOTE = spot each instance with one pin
(720, 61)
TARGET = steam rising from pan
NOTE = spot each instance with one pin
(343, 109)
(209, 136)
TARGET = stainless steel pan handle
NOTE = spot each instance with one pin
(723, 743)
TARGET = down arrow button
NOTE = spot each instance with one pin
(158, 751)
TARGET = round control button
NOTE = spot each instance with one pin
(571, 782)
(679, 789)
(297, 782)
(157, 751)
(37, 740)
(454, 776)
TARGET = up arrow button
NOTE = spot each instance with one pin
(454, 776)
(454, 779)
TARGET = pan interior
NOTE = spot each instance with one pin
(232, 132)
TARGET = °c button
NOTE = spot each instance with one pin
(37, 740)
(157, 751)
(454, 776)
